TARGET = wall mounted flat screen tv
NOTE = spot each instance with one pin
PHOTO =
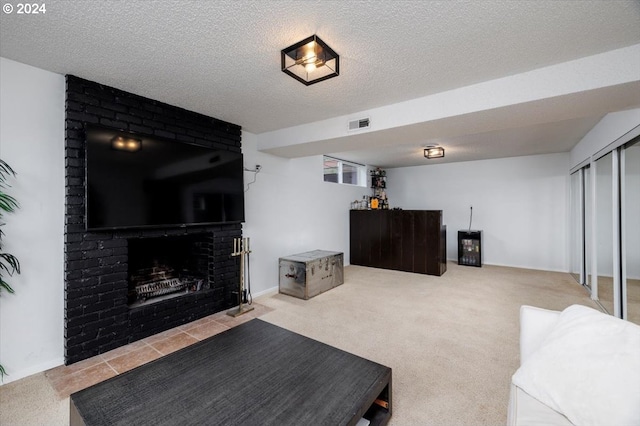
(136, 180)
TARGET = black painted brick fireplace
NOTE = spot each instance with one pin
(97, 317)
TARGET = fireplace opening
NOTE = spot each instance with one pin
(166, 267)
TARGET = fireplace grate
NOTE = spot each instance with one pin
(159, 288)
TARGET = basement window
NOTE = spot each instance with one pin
(344, 172)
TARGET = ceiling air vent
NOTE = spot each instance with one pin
(363, 123)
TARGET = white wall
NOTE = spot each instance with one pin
(520, 203)
(32, 142)
(290, 209)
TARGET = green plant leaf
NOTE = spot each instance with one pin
(10, 263)
(5, 170)
(7, 202)
(4, 285)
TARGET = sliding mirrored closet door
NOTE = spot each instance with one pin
(630, 215)
(605, 229)
(605, 209)
(588, 228)
(577, 227)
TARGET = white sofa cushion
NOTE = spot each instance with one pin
(587, 368)
(525, 410)
(535, 325)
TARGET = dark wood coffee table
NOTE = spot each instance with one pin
(254, 374)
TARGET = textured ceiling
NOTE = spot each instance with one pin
(221, 58)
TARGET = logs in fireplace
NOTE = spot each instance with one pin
(166, 267)
(161, 281)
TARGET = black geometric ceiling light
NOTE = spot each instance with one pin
(310, 61)
(434, 152)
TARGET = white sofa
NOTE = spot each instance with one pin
(584, 365)
(535, 324)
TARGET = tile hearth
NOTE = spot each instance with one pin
(66, 380)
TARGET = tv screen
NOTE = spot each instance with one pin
(136, 180)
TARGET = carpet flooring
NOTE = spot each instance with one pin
(452, 341)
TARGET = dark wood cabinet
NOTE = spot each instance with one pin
(404, 240)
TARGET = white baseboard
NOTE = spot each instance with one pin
(268, 292)
(34, 369)
(514, 266)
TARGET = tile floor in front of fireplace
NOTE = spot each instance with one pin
(69, 379)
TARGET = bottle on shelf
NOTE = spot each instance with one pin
(378, 185)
